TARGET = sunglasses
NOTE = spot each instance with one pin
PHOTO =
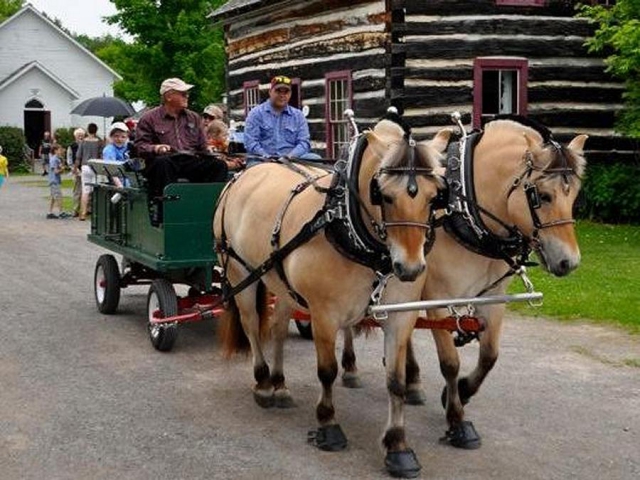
(281, 79)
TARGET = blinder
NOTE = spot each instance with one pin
(375, 195)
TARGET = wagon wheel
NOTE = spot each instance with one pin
(162, 297)
(304, 327)
(106, 284)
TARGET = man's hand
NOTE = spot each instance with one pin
(161, 148)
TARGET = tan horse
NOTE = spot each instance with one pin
(336, 290)
(509, 159)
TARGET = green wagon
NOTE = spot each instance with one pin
(179, 251)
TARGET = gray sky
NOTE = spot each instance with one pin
(80, 16)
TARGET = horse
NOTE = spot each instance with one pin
(382, 196)
(521, 187)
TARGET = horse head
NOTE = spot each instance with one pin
(397, 183)
(541, 200)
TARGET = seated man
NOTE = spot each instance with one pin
(171, 140)
(276, 129)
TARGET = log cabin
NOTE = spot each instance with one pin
(428, 58)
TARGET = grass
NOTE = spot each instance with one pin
(606, 286)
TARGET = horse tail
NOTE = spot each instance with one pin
(265, 310)
(231, 333)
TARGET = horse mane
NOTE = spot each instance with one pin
(398, 120)
(562, 157)
(544, 132)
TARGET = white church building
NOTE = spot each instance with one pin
(44, 74)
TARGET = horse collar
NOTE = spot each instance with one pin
(464, 221)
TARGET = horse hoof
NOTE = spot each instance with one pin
(283, 399)
(463, 436)
(415, 397)
(443, 397)
(265, 400)
(330, 438)
(351, 380)
(403, 464)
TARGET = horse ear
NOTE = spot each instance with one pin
(376, 144)
(533, 145)
(441, 140)
(577, 144)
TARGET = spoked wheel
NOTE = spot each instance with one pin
(304, 327)
(162, 298)
(106, 284)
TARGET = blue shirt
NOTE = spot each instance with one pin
(54, 165)
(269, 133)
(113, 152)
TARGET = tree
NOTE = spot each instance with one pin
(618, 34)
(9, 7)
(172, 38)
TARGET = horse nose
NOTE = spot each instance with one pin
(564, 267)
(406, 273)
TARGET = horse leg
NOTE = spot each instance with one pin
(350, 378)
(488, 355)
(400, 460)
(282, 316)
(461, 433)
(415, 392)
(329, 435)
(248, 304)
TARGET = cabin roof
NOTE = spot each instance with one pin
(236, 7)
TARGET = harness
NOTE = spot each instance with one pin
(464, 221)
(343, 216)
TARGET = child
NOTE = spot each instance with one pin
(117, 150)
(55, 180)
(4, 168)
(217, 141)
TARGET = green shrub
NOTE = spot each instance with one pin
(13, 142)
(611, 193)
(64, 136)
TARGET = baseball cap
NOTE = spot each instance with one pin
(213, 111)
(174, 84)
(118, 126)
(280, 81)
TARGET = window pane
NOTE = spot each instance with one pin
(508, 91)
(490, 92)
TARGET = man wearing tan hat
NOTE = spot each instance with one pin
(171, 140)
(276, 129)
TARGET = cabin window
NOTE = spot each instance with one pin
(338, 98)
(522, 3)
(251, 95)
(499, 87)
(296, 99)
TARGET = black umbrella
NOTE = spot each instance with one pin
(104, 107)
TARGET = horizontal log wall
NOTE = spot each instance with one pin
(568, 89)
(306, 40)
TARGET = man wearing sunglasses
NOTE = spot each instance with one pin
(171, 140)
(276, 129)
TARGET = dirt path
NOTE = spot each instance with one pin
(85, 396)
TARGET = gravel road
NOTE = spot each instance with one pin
(85, 396)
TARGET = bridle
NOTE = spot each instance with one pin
(533, 195)
(376, 198)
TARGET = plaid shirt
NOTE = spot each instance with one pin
(183, 133)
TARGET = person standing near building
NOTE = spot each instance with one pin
(55, 181)
(4, 168)
(91, 147)
(72, 153)
(276, 129)
(44, 150)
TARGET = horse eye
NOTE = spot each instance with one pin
(387, 199)
(545, 198)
